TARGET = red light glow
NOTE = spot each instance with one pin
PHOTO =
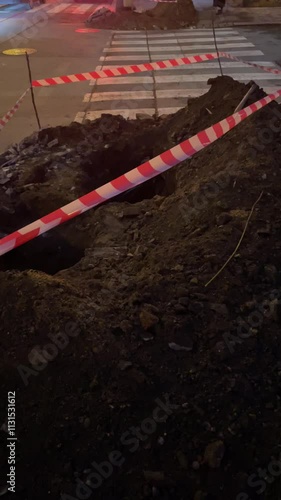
(86, 30)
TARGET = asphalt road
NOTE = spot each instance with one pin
(267, 39)
(60, 50)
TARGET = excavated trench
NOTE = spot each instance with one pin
(150, 330)
(115, 163)
(53, 182)
(49, 253)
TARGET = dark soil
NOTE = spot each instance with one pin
(120, 288)
(162, 16)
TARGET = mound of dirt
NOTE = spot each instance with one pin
(134, 380)
(162, 16)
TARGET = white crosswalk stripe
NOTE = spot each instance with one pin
(180, 39)
(64, 8)
(180, 48)
(58, 8)
(120, 35)
(166, 91)
(199, 67)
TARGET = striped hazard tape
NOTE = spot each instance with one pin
(264, 68)
(108, 73)
(124, 70)
(138, 175)
(7, 117)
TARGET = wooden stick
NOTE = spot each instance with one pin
(239, 242)
(32, 93)
(215, 40)
(245, 98)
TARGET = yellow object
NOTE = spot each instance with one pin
(18, 52)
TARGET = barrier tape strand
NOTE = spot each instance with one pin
(140, 68)
(275, 71)
(7, 117)
(123, 70)
(134, 177)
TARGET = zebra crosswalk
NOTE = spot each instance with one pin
(166, 91)
(53, 9)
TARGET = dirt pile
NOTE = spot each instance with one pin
(162, 16)
(133, 379)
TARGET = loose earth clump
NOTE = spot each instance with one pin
(163, 16)
(134, 380)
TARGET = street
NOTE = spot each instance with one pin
(50, 30)
(166, 92)
(140, 353)
(59, 50)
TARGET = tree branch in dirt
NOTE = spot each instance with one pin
(238, 244)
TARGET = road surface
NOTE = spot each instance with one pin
(167, 91)
(61, 50)
(50, 29)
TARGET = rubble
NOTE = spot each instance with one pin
(113, 288)
(164, 16)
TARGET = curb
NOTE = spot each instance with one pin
(277, 23)
(230, 25)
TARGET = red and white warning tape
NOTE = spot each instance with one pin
(134, 177)
(124, 70)
(264, 68)
(6, 118)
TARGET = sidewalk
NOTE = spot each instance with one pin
(239, 16)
